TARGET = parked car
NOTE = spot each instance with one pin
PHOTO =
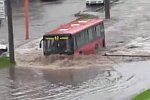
(3, 49)
(90, 2)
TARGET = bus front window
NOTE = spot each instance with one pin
(58, 46)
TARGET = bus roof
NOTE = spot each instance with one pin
(75, 26)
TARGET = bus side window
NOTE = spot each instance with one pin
(82, 39)
(98, 30)
(75, 42)
(94, 32)
(86, 36)
(78, 40)
(71, 43)
(90, 34)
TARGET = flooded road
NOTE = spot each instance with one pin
(90, 77)
(121, 83)
(125, 87)
(61, 84)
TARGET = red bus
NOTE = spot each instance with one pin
(82, 36)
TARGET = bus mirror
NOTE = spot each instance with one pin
(40, 45)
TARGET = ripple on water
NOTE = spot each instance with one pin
(64, 84)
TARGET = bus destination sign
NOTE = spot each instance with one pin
(57, 38)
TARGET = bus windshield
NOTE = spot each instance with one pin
(58, 44)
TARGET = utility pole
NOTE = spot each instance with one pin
(10, 32)
(107, 9)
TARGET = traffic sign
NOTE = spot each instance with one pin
(2, 9)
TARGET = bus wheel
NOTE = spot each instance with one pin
(45, 54)
(81, 52)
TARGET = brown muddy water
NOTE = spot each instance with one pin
(70, 76)
(49, 84)
(62, 83)
(47, 78)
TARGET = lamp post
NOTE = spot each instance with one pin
(10, 32)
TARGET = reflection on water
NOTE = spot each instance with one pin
(4, 84)
(70, 76)
(66, 84)
(39, 84)
(58, 76)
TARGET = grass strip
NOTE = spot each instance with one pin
(4, 62)
(143, 96)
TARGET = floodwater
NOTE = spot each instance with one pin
(129, 84)
(91, 77)
(31, 83)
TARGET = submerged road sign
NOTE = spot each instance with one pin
(2, 9)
